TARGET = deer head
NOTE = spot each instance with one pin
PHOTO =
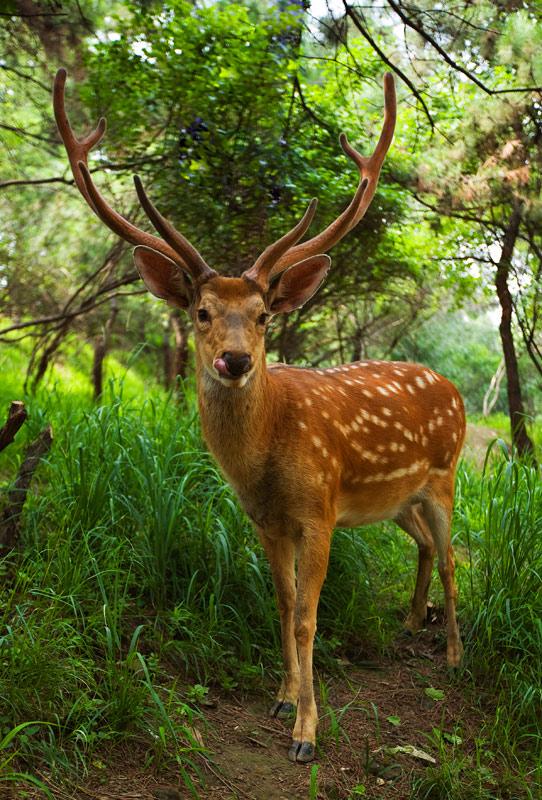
(229, 314)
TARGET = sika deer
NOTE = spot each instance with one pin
(304, 449)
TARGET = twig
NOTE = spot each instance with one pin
(419, 28)
(350, 12)
(25, 77)
(233, 787)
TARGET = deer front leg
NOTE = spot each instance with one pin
(281, 555)
(313, 556)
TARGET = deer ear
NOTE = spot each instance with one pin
(297, 284)
(162, 277)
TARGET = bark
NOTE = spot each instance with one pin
(10, 521)
(492, 394)
(168, 358)
(176, 357)
(101, 346)
(16, 417)
(520, 437)
(180, 353)
(46, 356)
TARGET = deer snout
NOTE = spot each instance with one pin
(232, 365)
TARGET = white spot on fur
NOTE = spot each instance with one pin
(302, 425)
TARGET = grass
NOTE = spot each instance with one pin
(138, 564)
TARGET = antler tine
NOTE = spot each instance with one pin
(262, 267)
(179, 242)
(78, 150)
(369, 170)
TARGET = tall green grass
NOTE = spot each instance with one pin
(502, 525)
(138, 565)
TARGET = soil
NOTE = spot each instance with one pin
(247, 751)
(477, 441)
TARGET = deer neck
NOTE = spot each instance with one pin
(237, 422)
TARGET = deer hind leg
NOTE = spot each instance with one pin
(281, 555)
(412, 522)
(437, 508)
(312, 561)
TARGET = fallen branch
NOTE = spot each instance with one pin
(11, 516)
(16, 417)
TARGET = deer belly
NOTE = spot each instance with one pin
(351, 513)
(376, 501)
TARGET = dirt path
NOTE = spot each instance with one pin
(372, 707)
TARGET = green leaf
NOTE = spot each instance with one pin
(393, 720)
(434, 694)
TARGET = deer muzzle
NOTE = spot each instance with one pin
(233, 365)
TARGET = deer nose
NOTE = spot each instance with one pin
(237, 363)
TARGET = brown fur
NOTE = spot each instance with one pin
(307, 449)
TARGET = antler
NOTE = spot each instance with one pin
(178, 249)
(369, 171)
(261, 269)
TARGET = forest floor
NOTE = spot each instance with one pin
(407, 700)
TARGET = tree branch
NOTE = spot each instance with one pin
(419, 28)
(16, 417)
(26, 77)
(351, 13)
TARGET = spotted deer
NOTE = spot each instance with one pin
(304, 449)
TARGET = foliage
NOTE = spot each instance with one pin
(137, 562)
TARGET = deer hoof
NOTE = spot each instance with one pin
(282, 709)
(301, 752)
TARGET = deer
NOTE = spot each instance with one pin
(304, 449)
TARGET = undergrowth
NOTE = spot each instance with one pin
(137, 565)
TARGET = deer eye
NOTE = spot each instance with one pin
(203, 315)
(262, 319)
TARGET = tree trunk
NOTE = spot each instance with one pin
(520, 437)
(168, 358)
(176, 358)
(101, 346)
(46, 356)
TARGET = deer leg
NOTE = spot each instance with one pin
(438, 512)
(411, 521)
(312, 561)
(281, 555)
